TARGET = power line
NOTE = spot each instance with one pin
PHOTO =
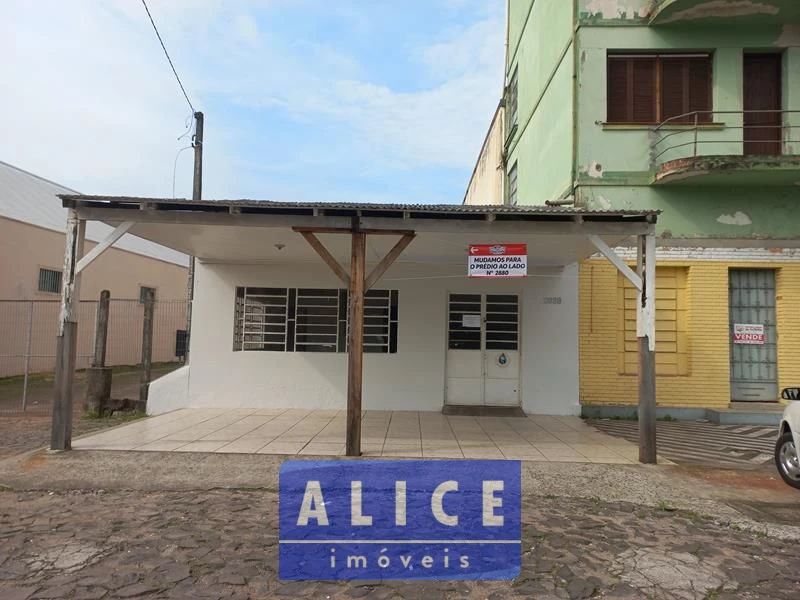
(185, 95)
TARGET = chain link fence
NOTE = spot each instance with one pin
(28, 330)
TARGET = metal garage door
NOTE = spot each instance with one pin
(753, 335)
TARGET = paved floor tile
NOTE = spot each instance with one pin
(406, 434)
(200, 447)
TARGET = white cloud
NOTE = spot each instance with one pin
(89, 100)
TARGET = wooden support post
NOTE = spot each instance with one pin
(355, 352)
(66, 347)
(101, 331)
(147, 347)
(98, 376)
(646, 334)
(357, 284)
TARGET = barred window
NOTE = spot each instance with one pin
(317, 320)
(311, 320)
(380, 321)
(260, 322)
(49, 281)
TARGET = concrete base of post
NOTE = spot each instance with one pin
(98, 390)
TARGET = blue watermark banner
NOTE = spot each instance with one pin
(400, 519)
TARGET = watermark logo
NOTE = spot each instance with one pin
(400, 519)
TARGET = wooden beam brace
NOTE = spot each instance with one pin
(112, 237)
(326, 256)
(615, 259)
(387, 260)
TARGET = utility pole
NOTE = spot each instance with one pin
(197, 193)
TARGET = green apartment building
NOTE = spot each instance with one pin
(690, 107)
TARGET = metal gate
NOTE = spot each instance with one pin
(753, 335)
(483, 355)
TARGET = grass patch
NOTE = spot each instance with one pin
(632, 417)
(114, 420)
(665, 506)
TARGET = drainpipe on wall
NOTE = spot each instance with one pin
(575, 71)
(505, 46)
(569, 200)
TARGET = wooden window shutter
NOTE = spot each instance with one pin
(617, 93)
(674, 92)
(644, 90)
(699, 92)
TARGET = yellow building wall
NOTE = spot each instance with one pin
(692, 309)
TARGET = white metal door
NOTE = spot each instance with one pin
(483, 349)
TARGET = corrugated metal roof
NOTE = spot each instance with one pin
(167, 203)
(32, 199)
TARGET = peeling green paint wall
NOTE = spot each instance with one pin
(720, 212)
(614, 167)
(614, 12)
(542, 145)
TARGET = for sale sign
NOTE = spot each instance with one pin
(748, 333)
(498, 260)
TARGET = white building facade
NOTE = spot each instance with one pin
(519, 346)
(273, 302)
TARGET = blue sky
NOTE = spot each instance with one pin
(345, 100)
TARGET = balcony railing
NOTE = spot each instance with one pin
(698, 133)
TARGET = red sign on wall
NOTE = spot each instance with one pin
(498, 260)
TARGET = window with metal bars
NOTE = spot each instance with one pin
(483, 323)
(651, 88)
(512, 102)
(260, 319)
(502, 322)
(512, 185)
(49, 281)
(311, 320)
(464, 327)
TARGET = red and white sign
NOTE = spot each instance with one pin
(498, 260)
(744, 333)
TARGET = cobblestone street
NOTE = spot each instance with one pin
(223, 544)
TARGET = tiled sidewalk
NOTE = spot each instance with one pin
(396, 434)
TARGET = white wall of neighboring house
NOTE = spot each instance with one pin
(411, 379)
(487, 184)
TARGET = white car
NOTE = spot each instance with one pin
(787, 448)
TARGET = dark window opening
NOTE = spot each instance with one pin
(49, 281)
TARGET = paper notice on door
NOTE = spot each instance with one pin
(472, 321)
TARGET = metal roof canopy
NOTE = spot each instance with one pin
(249, 231)
(207, 228)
